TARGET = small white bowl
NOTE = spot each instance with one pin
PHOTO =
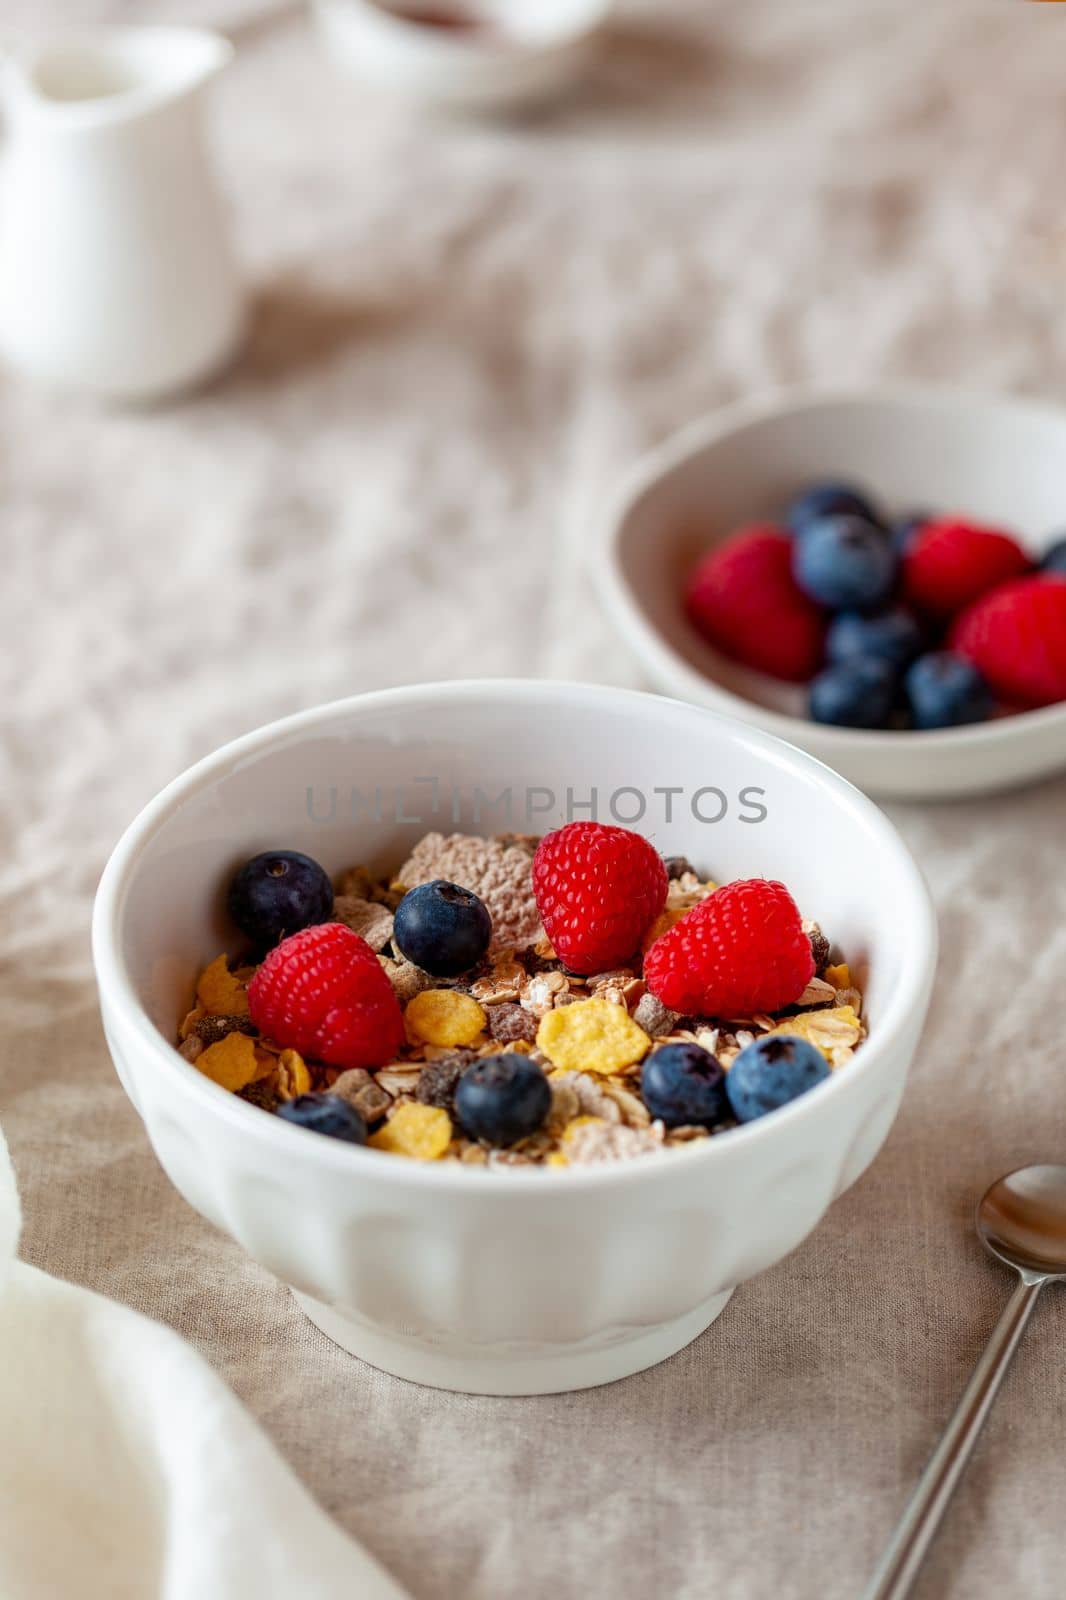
(522, 53)
(998, 460)
(527, 1281)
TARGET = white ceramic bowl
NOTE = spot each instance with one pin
(998, 460)
(528, 52)
(529, 1281)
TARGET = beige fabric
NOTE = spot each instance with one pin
(464, 334)
(121, 1454)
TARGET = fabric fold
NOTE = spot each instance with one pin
(128, 1469)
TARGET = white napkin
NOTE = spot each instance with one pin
(129, 1472)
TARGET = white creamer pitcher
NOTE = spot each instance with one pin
(115, 269)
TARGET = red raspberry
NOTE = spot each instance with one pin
(744, 600)
(741, 950)
(597, 888)
(324, 993)
(1016, 637)
(948, 563)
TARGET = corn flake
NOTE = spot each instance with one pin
(292, 1077)
(827, 1030)
(838, 976)
(190, 1020)
(421, 1132)
(232, 1062)
(221, 992)
(663, 923)
(592, 1036)
(445, 1017)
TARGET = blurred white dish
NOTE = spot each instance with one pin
(509, 55)
(999, 460)
(527, 1281)
(116, 273)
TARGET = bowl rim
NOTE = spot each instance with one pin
(118, 994)
(586, 18)
(655, 648)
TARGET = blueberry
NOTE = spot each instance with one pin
(905, 528)
(844, 563)
(828, 500)
(502, 1099)
(325, 1113)
(442, 928)
(894, 636)
(946, 691)
(770, 1072)
(854, 694)
(683, 1084)
(1054, 560)
(279, 893)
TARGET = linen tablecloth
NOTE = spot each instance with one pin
(463, 333)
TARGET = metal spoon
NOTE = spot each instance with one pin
(1022, 1220)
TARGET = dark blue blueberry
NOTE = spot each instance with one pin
(828, 500)
(502, 1099)
(845, 563)
(683, 1084)
(771, 1072)
(279, 893)
(854, 694)
(946, 691)
(325, 1113)
(1055, 558)
(904, 530)
(894, 636)
(442, 928)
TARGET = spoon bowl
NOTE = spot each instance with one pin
(1022, 1220)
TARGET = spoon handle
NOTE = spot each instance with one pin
(906, 1551)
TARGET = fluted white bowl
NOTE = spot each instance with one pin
(527, 1280)
(999, 460)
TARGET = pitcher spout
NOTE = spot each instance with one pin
(108, 75)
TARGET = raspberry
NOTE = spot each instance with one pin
(741, 950)
(948, 563)
(597, 888)
(324, 992)
(744, 600)
(1016, 637)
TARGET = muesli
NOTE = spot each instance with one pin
(511, 1001)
